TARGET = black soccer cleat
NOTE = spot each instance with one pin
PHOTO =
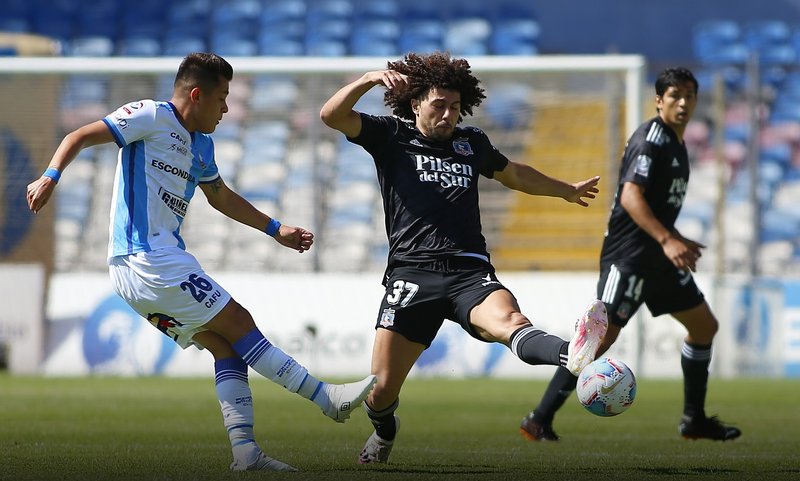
(533, 431)
(707, 428)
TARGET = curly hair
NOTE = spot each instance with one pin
(428, 71)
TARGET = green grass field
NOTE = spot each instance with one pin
(171, 429)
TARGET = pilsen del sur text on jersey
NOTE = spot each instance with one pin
(447, 174)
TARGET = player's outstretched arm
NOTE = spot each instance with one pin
(233, 205)
(524, 178)
(40, 190)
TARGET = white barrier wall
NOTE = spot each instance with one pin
(21, 323)
(326, 322)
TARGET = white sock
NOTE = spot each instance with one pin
(236, 403)
(279, 367)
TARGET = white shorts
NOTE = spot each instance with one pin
(169, 289)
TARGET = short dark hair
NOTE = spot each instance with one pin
(437, 70)
(201, 69)
(672, 77)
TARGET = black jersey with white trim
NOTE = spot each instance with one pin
(656, 159)
(429, 187)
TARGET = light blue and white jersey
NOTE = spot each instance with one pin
(160, 165)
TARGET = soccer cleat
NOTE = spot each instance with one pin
(346, 397)
(589, 332)
(533, 431)
(262, 463)
(707, 428)
(377, 449)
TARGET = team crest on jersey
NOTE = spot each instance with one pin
(643, 165)
(462, 147)
(387, 317)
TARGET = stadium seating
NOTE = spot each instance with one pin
(276, 27)
(264, 163)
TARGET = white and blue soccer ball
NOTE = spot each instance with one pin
(606, 387)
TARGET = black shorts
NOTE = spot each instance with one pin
(624, 289)
(420, 296)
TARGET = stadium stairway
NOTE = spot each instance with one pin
(541, 233)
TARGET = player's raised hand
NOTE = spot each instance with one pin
(587, 188)
(295, 238)
(39, 192)
(388, 78)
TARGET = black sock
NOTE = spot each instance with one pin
(559, 389)
(535, 347)
(695, 360)
(383, 420)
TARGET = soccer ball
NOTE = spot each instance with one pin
(606, 387)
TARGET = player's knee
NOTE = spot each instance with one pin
(507, 325)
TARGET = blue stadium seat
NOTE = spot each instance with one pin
(91, 47)
(377, 9)
(180, 47)
(325, 47)
(422, 36)
(758, 34)
(280, 47)
(507, 104)
(139, 47)
(719, 43)
(515, 36)
(284, 30)
(279, 11)
(273, 93)
(15, 24)
(373, 48)
(99, 20)
(233, 46)
(467, 36)
(321, 10)
(374, 37)
(777, 225)
(240, 19)
(55, 25)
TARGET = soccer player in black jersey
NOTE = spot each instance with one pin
(644, 259)
(438, 266)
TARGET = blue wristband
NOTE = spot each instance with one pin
(272, 227)
(52, 173)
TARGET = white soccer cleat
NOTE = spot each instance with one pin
(346, 397)
(589, 332)
(377, 449)
(262, 463)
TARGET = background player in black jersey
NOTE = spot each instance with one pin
(438, 266)
(644, 259)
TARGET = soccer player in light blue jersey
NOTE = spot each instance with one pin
(166, 152)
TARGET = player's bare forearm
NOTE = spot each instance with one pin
(236, 207)
(39, 191)
(682, 252)
(525, 178)
(233, 205)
